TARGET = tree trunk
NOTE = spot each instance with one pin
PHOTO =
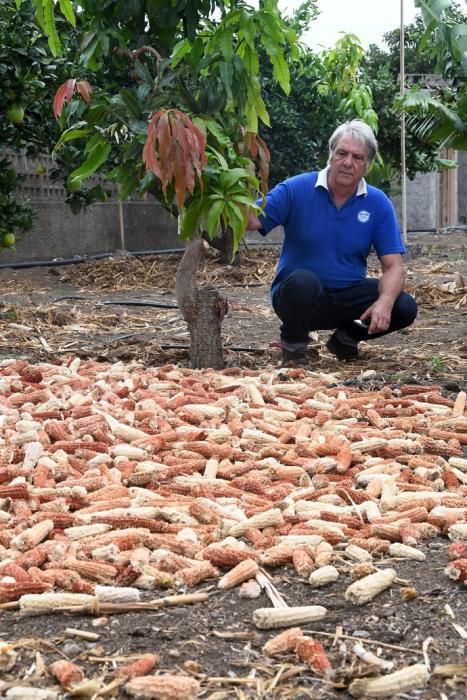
(224, 243)
(203, 309)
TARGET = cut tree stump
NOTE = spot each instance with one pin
(202, 308)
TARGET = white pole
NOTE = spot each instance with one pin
(122, 225)
(402, 91)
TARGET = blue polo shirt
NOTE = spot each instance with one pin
(333, 243)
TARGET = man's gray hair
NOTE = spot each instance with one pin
(360, 132)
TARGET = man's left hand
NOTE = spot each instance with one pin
(379, 315)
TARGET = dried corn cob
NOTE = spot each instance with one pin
(302, 562)
(362, 569)
(249, 590)
(66, 673)
(367, 588)
(323, 576)
(457, 550)
(242, 572)
(312, 653)
(458, 532)
(457, 570)
(163, 687)
(284, 642)
(270, 618)
(42, 604)
(141, 667)
(403, 551)
(28, 539)
(409, 678)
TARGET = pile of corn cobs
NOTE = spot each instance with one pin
(119, 476)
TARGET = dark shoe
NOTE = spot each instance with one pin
(342, 345)
(291, 358)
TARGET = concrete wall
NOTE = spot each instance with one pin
(422, 202)
(58, 233)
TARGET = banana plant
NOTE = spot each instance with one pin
(439, 115)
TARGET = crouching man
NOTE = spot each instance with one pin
(331, 221)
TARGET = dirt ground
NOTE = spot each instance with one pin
(48, 313)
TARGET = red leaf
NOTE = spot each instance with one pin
(84, 88)
(63, 94)
(256, 147)
(182, 136)
(149, 150)
(179, 172)
(175, 151)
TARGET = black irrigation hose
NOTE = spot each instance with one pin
(122, 302)
(141, 303)
(86, 258)
(226, 347)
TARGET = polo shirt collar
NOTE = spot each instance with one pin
(322, 181)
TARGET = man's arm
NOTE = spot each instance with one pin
(391, 284)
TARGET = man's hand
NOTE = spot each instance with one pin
(254, 224)
(379, 315)
(390, 286)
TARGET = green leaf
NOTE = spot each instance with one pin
(180, 50)
(50, 28)
(97, 156)
(233, 176)
(18, 4)
(39, 13)
(87, 57)
(260, 109)
(131, 102)
(433, 9)
(250, 59)
(251, 117)
(247, 29)
(218, 156)
(226, 73)
(225, 43)
(213, 217)
(189, 219)
(143, 73)
(281, 72)
(66, 9)
(250, 201)
(74, 132)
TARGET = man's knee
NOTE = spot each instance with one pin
(405, 310)
(303, 282)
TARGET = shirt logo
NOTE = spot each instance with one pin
(363, 216)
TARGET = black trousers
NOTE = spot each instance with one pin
(303, 305)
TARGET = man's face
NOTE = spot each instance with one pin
(349, 162)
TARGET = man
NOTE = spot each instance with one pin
(331, 220)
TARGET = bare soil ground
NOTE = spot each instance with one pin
(49, 313)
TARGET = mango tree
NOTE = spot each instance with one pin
(184, 126)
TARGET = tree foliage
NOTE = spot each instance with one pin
(439, 115)
(177, 75)
(28, 76)
(326, 89)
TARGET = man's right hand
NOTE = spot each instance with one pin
(254, 224)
